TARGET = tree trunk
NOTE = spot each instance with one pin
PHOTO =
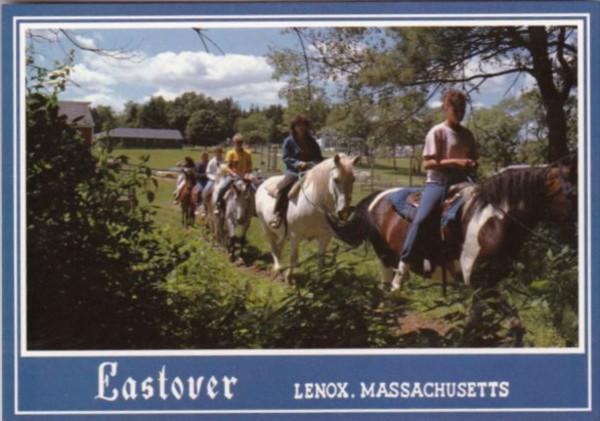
(553, 100)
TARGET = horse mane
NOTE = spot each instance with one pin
(513, 186)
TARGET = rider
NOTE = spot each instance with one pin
(239, 164)
(213, 166)
(201, 171)
(449, 156)
(300, 152)
(187, 165)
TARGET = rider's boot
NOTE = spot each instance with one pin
(276, 221)
(219, 205)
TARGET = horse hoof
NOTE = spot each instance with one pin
(396, 282)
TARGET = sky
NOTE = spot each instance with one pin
(169, 62)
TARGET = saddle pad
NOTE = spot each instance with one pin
(408, 210)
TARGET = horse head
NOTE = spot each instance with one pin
(340, 184)
(561, 191)
(239, 200)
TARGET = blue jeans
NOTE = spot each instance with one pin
(428, 211)
(228, 181)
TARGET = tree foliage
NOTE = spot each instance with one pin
(204, 128)
(94, 260)
(386, 63)
(255, 127)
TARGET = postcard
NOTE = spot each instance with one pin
(312, 210)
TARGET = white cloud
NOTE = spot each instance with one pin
(245, 78)
(85, 42)
(91, 79)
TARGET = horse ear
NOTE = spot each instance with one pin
(356, 160)
(337, 160)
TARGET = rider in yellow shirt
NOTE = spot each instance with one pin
(239, 165)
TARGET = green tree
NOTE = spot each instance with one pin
(498, 132)
(104, 118)
(131, 115)
(255, 127)
(95, 264)
(153, 114)
(381, 63)
(181, 108)
(228, 111)
(204, 128)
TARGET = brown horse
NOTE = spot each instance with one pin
(496, 216)
(188, 199)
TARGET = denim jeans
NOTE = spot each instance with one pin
(228, 181)
(428, 213)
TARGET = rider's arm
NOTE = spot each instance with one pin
(439, 164)
(287, 154)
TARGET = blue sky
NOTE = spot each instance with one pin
(172, 61)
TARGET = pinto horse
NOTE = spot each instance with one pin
(496, 216)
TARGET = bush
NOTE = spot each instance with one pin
(94, 260)
(323, 309)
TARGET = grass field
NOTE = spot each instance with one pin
(426, 304)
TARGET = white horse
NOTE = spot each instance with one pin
(325, 189)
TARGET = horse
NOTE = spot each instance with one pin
(206, 198)
(239, 210)
(188, 199)
(324, 189)
(495, 218)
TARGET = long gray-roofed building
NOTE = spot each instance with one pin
(141, 138)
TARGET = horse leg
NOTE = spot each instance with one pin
(323, 244)
(242, 245)
(293, 257)
(401, 273)
(387, 274)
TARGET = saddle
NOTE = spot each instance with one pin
(294, 190)
(406, 202)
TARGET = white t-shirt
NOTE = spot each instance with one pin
(443, 142)
(213, 168)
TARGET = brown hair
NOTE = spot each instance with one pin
(298, 119)
(456, 98)
(188, 162)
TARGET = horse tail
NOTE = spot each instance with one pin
(359, 227)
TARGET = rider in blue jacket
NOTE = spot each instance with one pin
(300, 152)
